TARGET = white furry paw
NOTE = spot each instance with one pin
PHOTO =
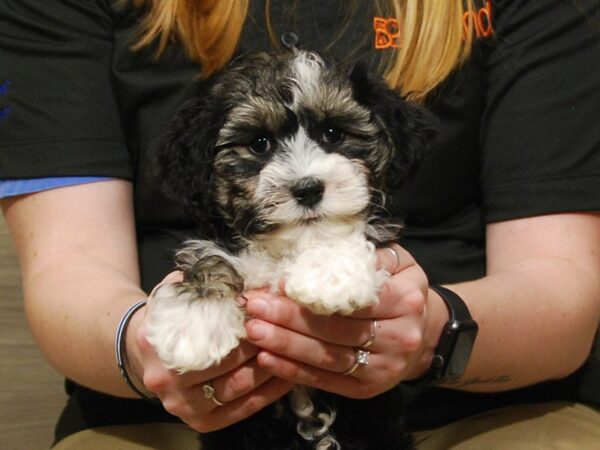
(335, 279)
(192, 333)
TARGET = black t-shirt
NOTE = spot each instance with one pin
(519, 123)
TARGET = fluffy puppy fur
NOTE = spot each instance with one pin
(284, 160)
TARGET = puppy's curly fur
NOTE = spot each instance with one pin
(285, 161)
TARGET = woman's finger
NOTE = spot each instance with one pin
(242, 408)
(334, 329)
(403, 293)
(237, 383)
(299, 347)
(359, 384)
(240, 355)
(394, 259)
(209, 395)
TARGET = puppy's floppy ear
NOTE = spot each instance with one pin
(185, 155)
(411, 129)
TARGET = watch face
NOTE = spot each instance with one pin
(462, 350)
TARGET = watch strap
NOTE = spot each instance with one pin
(458, 311)
(456, 306)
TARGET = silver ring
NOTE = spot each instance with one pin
(209, 393)
(361, 358)
(396, 255)
(371, 335)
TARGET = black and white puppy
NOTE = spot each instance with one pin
(285, 160)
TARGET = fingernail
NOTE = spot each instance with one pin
(256, 306)
(257, 331)
(242, 300)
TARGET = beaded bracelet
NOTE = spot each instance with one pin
(121, 352)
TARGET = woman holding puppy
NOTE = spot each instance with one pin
(503, 213)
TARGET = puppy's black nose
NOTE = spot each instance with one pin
(308, 191)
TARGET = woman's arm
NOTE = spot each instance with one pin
(78, 257)
(538, 308)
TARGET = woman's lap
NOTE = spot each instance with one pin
(155, 436)
(541, 426)
(544, 426)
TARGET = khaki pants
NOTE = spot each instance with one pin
(544, 426)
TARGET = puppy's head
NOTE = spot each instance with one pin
(290, 140)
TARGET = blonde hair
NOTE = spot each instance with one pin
(435, 38)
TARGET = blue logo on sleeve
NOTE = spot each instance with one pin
(4, 88)
(5, 111)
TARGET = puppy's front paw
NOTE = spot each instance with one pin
(190, 332)
(339, 279)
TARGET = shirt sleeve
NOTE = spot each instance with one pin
(58, 110)
(541, 124)
(11, 188)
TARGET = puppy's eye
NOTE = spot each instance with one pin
(260, 145)
(332, 135)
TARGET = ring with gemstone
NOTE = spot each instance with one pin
(361, 358)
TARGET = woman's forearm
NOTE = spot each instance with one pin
(539, 306)
(534, 326)
(73, 311)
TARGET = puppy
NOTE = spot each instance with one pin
(285, 161)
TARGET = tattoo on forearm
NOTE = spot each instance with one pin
(477, 380)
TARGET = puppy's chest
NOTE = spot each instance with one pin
(260, 269)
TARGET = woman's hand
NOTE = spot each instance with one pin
(239, 383)
(316, 350)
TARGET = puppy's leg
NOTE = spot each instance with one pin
(197, 322)
(336, 277)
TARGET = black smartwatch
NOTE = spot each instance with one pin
(455, 345)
